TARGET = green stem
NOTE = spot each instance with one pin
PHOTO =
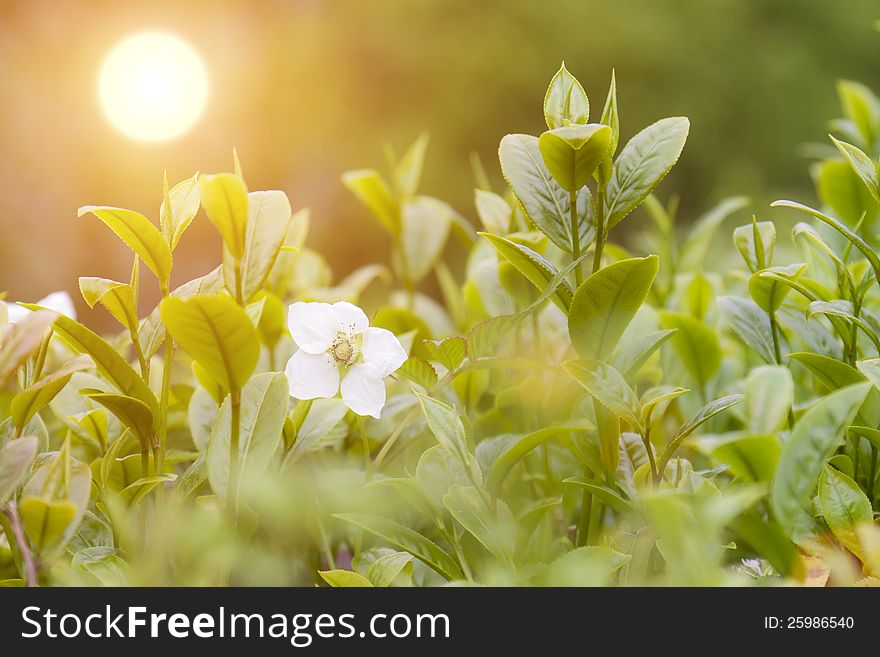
(584, 521)
(600, 228)
(575, 234)
(234, 429)
(777, 353)
(164, 398)
(872, 475)
(365, 443)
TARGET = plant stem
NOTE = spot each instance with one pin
(234, 429)
(164, 397)
(365, 443)
(872, 475)
(600, 228)
(16, 531)
(777, 353)
(575, 234)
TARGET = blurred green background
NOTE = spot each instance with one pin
(306, 89)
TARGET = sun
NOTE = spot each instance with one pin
(153, 86)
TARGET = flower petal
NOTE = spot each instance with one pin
(352, 320)
(382, 350)
(15, 312)
(312, 325)
(60, 302)
(312, 375)
(363, 390)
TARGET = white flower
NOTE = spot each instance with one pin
(60, 302)
(337, 342)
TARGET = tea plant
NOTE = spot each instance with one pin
(572, 413)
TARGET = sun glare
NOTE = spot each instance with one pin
(153, 86)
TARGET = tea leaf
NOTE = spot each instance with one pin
(110, 364)
(371, 190)
(814, 439)
(263, 409)
(16, 457)
(344, 579)
(572, 153)
(642, 164)
(545, 202)
(565, 102)
(606, 302)
(22, 339)
(533, 266)
(116, 297)
(861, 164)
(178, 209)
(33, 399)
(225, 199)
(750, 324)
(751, 457)
(609, 388)
(844, 506)
(696, 345)
(139, 234)
(217, 334)
(406, 539)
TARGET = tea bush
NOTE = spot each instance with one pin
(571, 413)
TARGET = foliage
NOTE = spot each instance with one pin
(574, 412)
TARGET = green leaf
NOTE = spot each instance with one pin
(263, 409)
(537, 269)
(109, 362)
(606, 302)
(814, 439)
(750, 457)
(47, 523)
(609, 388)
(609, 496)
(446, 426)
(565, 102)
(860, 106)
(386, 568)
(267, 221)
(572, 153)
(425, 227)
(611, 116)
(585, 566)
(843, 309)
(132, 412)
(178, 208)
(844, 506)
(139, 234)
(861, 164)
(22, 339)
(841, 190)
(495, 532)
(406, 539)
(494, 212)
(16, 457)
(767, 291)
(757, 253)
(629, 357)
(116, 297)
(750, 324)
(769, 394)
(512, 454)
(371, 190)
(449, 352)
(217, 334)
(707, 412)
(225, 200)
(642, 164)
(545, 202)
(419, 372)
(856, 241)
(696, 345)
(408, 171)
(830, 372)
(344, 579)
(33, 399)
